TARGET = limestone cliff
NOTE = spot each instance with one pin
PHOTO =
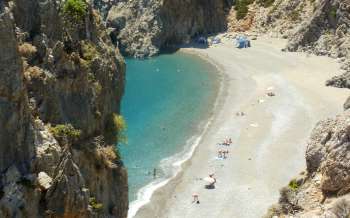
(61, 82)
(143, 27)
(324, 190)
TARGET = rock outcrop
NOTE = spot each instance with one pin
(324, 190)
(61, 82)
(142, 28)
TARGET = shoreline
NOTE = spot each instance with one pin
(145, 194)
(252, 144)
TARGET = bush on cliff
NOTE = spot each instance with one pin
(242, 8)
(76, 9)
(65, 133)
(293, 185)
(265, 3)
(88, 50)
(95, 205)
(27, 50)
(115, 129)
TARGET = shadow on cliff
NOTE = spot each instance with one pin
(173, 49)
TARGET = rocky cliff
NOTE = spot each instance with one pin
(142, 28)
(61, 82)
(323, 190)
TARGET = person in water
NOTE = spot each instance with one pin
(154, 173)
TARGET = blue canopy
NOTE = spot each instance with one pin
(242, 42)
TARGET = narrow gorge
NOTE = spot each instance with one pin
(63, 77)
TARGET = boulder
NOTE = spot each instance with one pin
(44, 181)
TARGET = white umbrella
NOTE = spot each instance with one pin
(209, 179)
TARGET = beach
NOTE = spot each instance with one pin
(269, 138)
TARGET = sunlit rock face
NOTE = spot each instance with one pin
(143, 27)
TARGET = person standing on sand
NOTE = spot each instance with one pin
(220, 153)
(154, 173)
(195, 198)
(225, 153)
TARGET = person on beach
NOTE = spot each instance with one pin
(220, 153)
(225, 153)
(212, 184)
(195, 198)
(230, 141)
(154, 173)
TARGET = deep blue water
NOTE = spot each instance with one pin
(166, 98)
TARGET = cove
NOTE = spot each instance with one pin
(167, 101)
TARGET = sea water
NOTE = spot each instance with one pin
(168, 99)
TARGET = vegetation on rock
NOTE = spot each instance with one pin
(265, 3)
(95, 205)
(65, 132)
(293, 185)
(76, 9)
(333, 12)
(27, 50)
(115, 129)
(88, 50)
(242, 8)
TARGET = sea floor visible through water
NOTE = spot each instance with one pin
(167, 104)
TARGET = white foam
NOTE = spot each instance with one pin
(173, 165)
(175, 162)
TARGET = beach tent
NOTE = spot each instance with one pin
(242, 42)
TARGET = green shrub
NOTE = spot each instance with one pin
(95, 205)
(293, 185)
(265, 3)
(115, 129)
(65, 132)
(89, 51)
(241, 8)
(333, 12)
(76, 9)
(295, 15)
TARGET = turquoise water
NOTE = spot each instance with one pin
(165, 100)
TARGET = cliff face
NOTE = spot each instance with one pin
(323, 191)
(143, 27)
(61, 84)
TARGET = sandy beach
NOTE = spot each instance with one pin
(269, 141)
